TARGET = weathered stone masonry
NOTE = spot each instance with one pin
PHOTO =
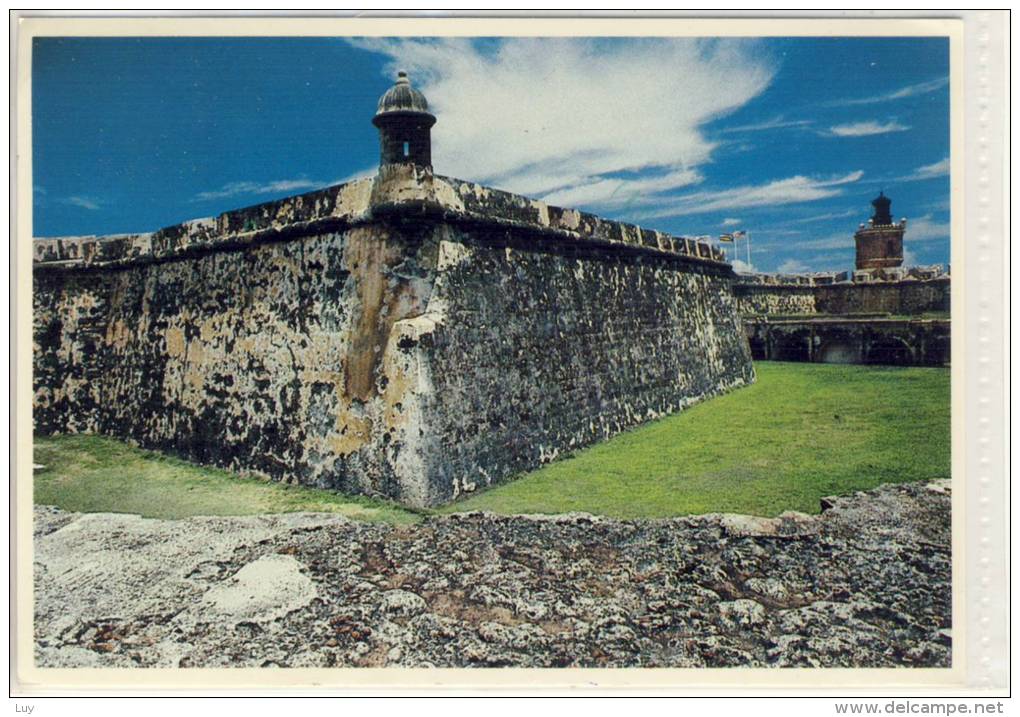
(903, 321)
(765, 295)
(409, 335)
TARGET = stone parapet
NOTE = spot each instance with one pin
(398, 192)
(813, 279)
(897, 291)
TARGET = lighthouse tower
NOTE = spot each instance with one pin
(880, 241)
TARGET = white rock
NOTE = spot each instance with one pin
(262, 591)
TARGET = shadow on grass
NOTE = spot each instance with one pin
(96, 474)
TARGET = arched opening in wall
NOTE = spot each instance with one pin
(889, 351)
(759, 350)
(838, 352)
(791, 348)
(937, 352)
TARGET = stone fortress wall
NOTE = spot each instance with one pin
(406, 335)
(883, 316)
(918, 290)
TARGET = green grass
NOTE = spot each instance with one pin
(801, 432)
(95, 474)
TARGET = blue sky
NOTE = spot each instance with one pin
(788, 138)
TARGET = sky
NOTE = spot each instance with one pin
(788, 139)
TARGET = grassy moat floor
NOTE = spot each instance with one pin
(801, 432)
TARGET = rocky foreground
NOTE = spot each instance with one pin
(866, 583)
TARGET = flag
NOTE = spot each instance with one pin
(740, 234)
(726, 237)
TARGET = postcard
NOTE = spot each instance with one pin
(504, 351)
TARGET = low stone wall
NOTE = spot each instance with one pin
(867, 583)
(765, 295)
(409, 336)
(901, 298)
(825, 318)
(763, 300)
(880, 341)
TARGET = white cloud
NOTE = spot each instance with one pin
(83, 202)
(282, 186)
(926, 229)
(742, 267)
(730, 222)
(774, 123)
(909, 91)
(866, 129)
(615, 192)
(826, 217)
(928, 171)
(778, 192)
(578, 121)
(792, 266)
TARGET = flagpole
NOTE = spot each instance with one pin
(747, 240)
